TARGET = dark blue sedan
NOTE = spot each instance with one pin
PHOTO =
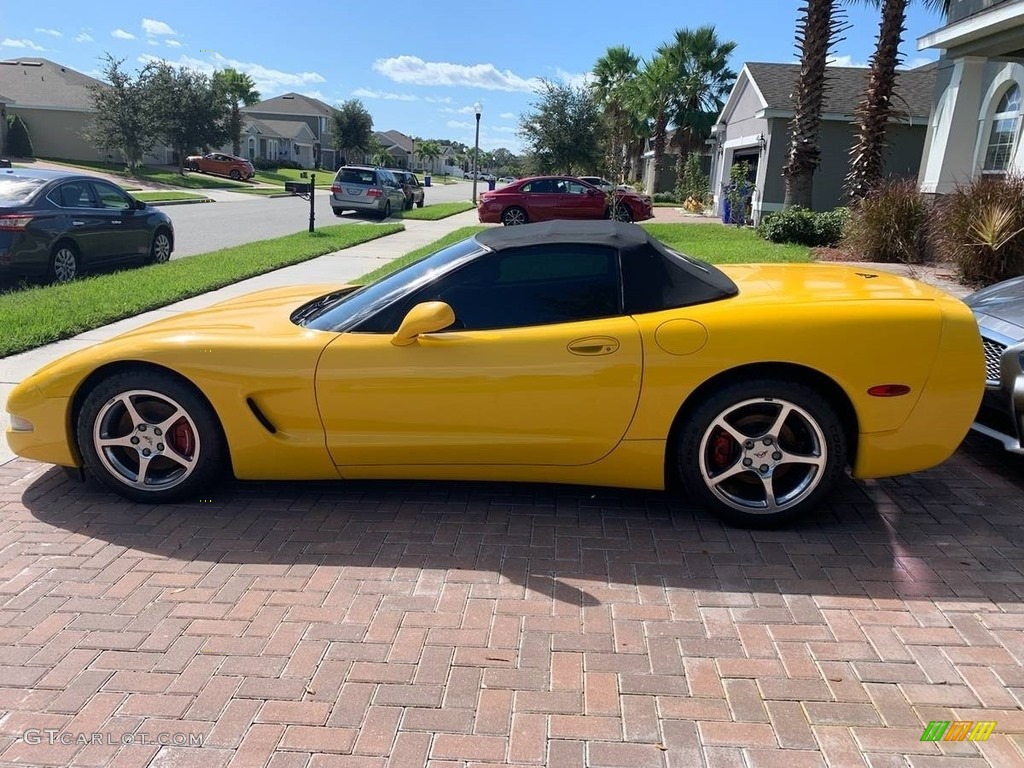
(57, 226)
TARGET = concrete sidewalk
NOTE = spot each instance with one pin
(331, 269)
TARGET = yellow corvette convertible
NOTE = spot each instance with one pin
(569, 352)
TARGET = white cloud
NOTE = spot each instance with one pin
(83, 37)
(575, 79)
(438, 99)
(173, 43)
(458, 124)
(120, 34)
(508, 115)
(366, 93)
(416, 71)
(9, 42)
(48, 31)
(151, 41)
(503, 129)
(459, 111)
(154, 27)
(844, 61)
(269, 82)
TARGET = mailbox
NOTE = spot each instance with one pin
(297, 187)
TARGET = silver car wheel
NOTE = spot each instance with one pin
(513, 217)
(763, 455)
(65, 264)
(146, 440)
(161, 248)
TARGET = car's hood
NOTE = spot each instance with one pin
(1003, 301)
(811, 283)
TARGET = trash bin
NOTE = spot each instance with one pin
(490, 184)
(725, 210)
(426, 180)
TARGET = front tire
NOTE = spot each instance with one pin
(762, 453)
(150, 437)
(160, 250)
(512, 217)
(236, 175)
(65, 263)
(621, 212)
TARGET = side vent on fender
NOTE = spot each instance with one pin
(260, 416)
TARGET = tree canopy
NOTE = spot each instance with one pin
(563, 132)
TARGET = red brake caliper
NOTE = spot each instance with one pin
(182, 438)
(721, 451)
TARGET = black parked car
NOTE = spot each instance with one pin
(58, 225)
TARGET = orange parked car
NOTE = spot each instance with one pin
(237, 168)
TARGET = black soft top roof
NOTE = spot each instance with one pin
(653, 276)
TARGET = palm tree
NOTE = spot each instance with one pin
(428, 151)
(876, 109)
(704, 81)
(655, 90)
(817, 31)
(238, 88)
(614, 74)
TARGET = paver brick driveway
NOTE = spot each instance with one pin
(473, 624)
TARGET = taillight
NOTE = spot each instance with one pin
(14, 221)
(335, 189)
(374, 192)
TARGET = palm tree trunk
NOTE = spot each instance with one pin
(875, 110)
(660, 125)
(816, 32)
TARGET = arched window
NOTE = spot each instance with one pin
(1003, 137)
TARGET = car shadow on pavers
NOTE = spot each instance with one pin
(951, 533)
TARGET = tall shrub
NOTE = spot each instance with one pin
(980, 229)
(19, 143)
(890, 224)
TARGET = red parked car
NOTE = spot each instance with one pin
(541, 198)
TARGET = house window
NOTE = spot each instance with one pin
(1003, 137)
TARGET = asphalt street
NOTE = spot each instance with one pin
(237, 218)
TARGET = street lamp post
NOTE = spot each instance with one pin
(476, 149)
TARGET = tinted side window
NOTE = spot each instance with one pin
(75, 194)
(538, 285)
(110, 196)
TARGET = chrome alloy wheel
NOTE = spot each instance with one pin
(161, 248)
(146, 440)
(514, 217)
(65, 264)
(763, 456)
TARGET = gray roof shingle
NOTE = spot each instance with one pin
(913, 95)
(35, 82)
(292, 104)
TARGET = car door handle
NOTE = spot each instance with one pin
(77, 223)
(115, 221)
(594, 345)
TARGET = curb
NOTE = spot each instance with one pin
(181, 202)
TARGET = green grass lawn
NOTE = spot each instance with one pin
(155, 174)
(166, 196)
(437, 211)
(281, 175)
(40, 315)
(719, 244)
(261, 190)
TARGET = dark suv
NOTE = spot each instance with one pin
(411, 186)
(367, 189)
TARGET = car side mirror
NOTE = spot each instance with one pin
(592, 192)
(428, 317)
(138, 204)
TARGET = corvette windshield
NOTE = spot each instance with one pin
(331, 313)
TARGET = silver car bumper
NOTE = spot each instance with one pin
(1001, 415)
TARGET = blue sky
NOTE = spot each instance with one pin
(417, 67)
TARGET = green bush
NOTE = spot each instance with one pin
(19, 144)
(979, 227)
(263, 164)
(803, 227)
(665, 197)
(890, 224)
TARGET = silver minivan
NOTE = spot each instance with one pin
(364, 188)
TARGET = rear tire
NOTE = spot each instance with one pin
(420, 203)
(763, 452)
(65, 263)
(339, 212)
(514, 216)
(386, 212)
(150, 437)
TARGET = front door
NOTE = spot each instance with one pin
(87, 224)
(539, 368)
(576, 203)
(127, 232)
